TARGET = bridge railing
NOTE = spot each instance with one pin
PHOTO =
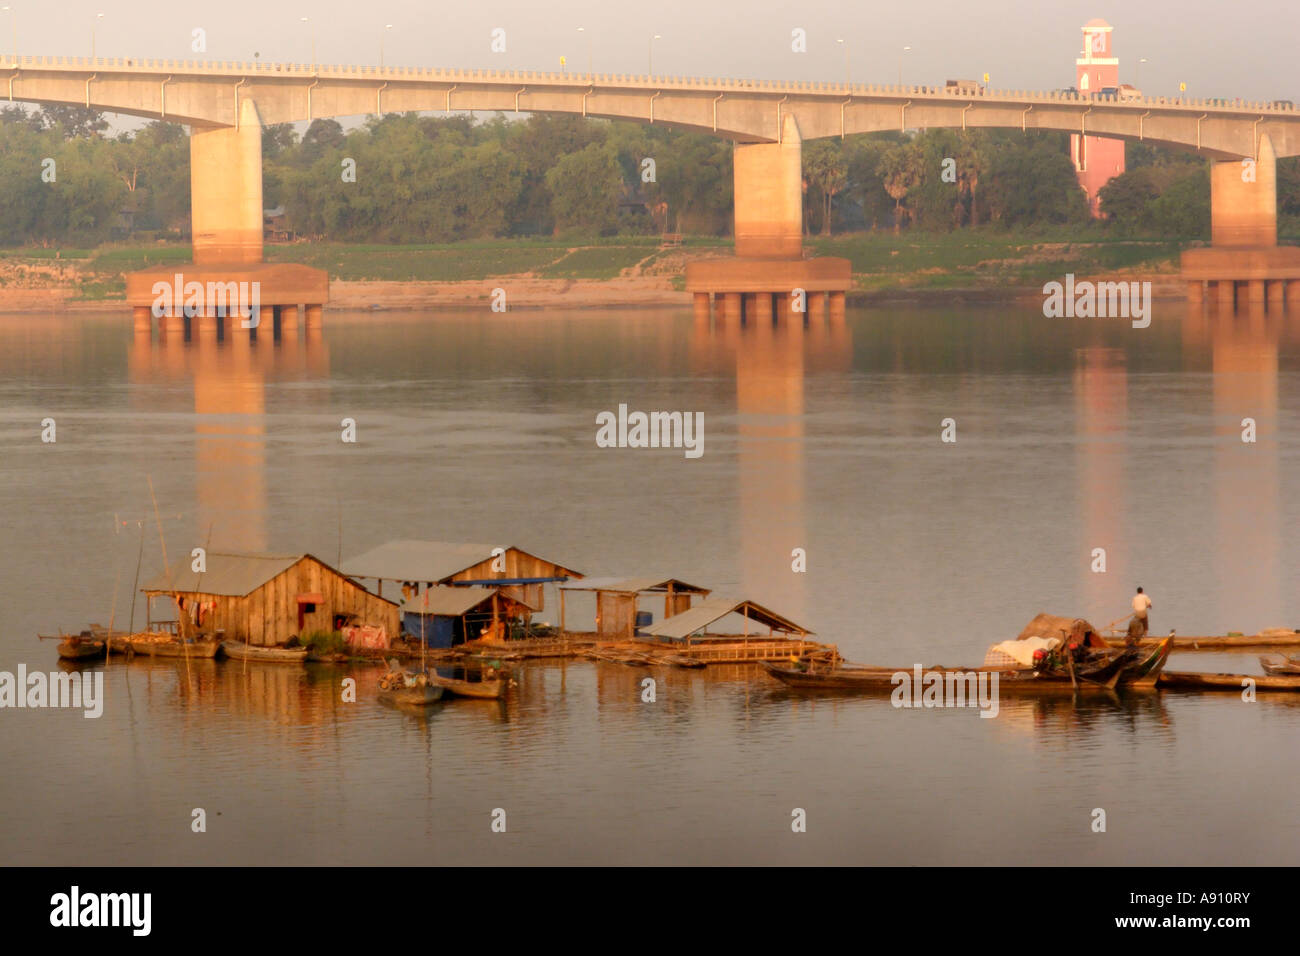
(617, 80)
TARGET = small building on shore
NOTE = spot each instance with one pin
(407, 565)
(617, 614)
(267, 599)
(445, 616)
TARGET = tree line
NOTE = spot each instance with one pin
(407, 178)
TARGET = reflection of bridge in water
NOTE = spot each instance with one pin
(228, 375)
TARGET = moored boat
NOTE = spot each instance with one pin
(488, 689)
(408, 687)
(169, 645)
(1278, 664)
(80, 647)
(1146, 671)
(239, 651)
(1187, 680)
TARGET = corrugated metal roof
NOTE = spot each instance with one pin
(448, 601)
(705, 613)
(630, 585)
(411, 560)
(228, 573)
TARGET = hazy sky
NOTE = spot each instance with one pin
(1248, 49)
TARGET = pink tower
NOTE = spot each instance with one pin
(1097, 160)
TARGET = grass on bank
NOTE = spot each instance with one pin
(980, 257)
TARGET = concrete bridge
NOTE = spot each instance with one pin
(226, 104)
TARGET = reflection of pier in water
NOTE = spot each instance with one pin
(1101, 414)
(228, 370)
(770, 359)
(1247, 492)
(1242, 354)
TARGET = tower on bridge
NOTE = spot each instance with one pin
(1097, 160)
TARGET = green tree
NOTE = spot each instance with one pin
(585, 189)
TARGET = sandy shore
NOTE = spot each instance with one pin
(530, 293)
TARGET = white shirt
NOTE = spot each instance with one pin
(1140, 603)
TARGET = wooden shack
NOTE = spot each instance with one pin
(410, 564)
(740, 638)
(616, 601)
(445, 616)
(266, 599)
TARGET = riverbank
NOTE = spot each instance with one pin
(971, 266)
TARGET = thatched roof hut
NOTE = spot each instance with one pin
(1071, 630)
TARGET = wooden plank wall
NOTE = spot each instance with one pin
(519, 564)
(270, 614)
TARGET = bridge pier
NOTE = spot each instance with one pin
(228, 272)
(769, 240)
(1244, 263)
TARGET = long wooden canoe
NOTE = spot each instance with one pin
(1222, 642)
(74, 647)
(239, 651)
(170, 646)
(881, 679)
(1188, 680)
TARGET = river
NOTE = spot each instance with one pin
(1071, 436)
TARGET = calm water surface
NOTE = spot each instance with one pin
(1072, 436)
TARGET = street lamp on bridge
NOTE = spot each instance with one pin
(13, 34)
(906, 49)
(307, 20)
(846, 58)
(650, 60)
(93, 24)
(387, 27)
(583, 30)
(1138, 77)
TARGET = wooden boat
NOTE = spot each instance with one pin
(168, 645)
(490, 689)
(610, 656)
(239, 651)
(1146, 671)
(680, 660)
(1279, 665)
(1187, 680)
(408, 687)
(80, 647)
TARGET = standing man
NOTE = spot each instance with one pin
(1141, 619)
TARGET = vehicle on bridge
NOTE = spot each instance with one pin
(964, 88)
(1128, 91)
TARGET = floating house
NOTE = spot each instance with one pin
(266, 599)
(617, 615)
(444, 616)
(408, 565)
(773, 637)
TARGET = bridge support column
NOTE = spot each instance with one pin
(702, 308)
(1276, 294)
(1196, 292)
(769, 235)
(1243, 232)
(226, 190)
(226, 210)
